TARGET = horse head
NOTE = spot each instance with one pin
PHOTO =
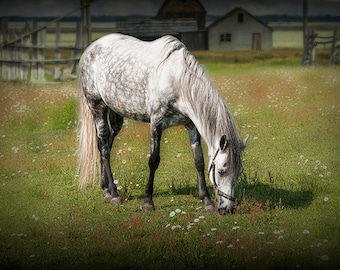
(223, 173)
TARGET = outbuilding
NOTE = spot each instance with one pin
(239, 30)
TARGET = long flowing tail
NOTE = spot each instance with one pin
(88, 161)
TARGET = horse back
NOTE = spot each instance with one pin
(129, 75)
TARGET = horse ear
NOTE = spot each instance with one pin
(223, 143)
(244, 142)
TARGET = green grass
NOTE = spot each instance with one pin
(287, 212)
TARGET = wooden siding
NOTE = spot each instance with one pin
(183, 9)
(152, 29)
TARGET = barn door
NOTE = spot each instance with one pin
(256, 41)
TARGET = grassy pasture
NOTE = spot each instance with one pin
(287, 212)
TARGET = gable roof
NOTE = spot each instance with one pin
(238, 9)
(181, 6)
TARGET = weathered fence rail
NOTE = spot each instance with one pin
(312, 39)
(23, 52)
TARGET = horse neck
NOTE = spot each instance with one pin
(210, 114)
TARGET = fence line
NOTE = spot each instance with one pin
(312, 40)
(23, 52)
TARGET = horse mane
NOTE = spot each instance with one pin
(209, 113)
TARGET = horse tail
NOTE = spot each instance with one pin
(88, 151)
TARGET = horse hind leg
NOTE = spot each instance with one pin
(106, 128)
(115, 123)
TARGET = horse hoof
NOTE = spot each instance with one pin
(210, 208)
(116, 201)
(147, 207)
(107, 197)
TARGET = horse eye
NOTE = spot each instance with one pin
(221, 172)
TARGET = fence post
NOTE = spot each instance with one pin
(5, 56)
(86, 21)
(308, 57)
(41, 54)
(25, 51)
(332, 60)
(17, 57)
(57, 52)
(34, 71)
(38, 54)
(11, 50)
(79, 46)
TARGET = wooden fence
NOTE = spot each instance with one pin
(23, 52)
(312, 40)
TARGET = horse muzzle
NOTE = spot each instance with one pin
(225, 203)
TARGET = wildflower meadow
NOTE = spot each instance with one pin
(288, 197)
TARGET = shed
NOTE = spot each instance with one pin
(239, 30)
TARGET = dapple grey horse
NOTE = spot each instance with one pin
(158, 82)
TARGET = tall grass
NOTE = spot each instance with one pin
(287, 199)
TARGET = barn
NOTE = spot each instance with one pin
(184, 19)
(183, 10)
(239, 30)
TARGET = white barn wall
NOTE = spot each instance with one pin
(241, 32)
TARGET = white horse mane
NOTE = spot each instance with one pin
(209, 113)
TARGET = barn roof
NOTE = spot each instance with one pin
(181, 7)
(149, 29)
(238, 9)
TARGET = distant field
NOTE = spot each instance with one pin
(289, 35)
(285, 35)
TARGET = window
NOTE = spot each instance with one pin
(225, 37)
(240, 18)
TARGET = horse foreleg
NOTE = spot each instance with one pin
(195, 141)
(156, 134)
